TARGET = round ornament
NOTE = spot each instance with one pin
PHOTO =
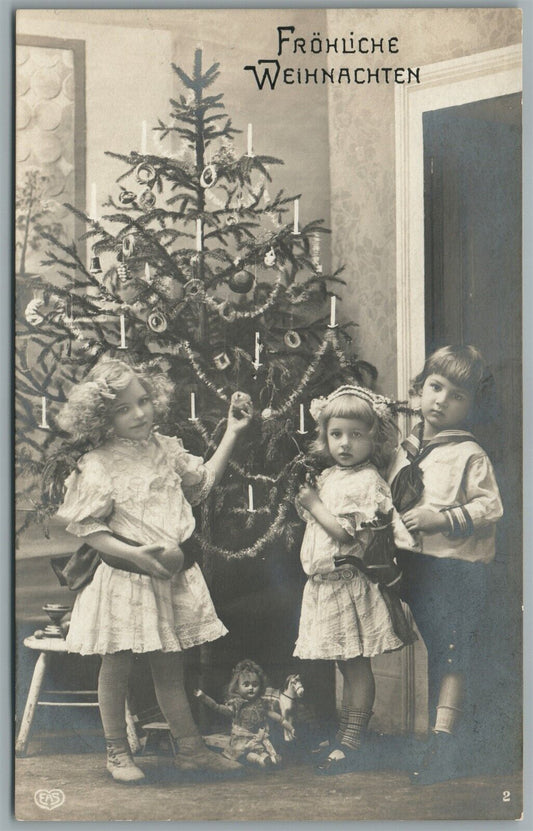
(227, 312)
(221, 361)
(241, 282)
(266, 413)
(193, 288)
(209, 176)
(157, 322)
(292, 339)
(145, 174)
(126, 197)
(146, 200)
(270, 258)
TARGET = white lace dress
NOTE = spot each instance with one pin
(345, 618)
(141, 490)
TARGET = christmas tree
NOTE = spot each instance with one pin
(197, 266)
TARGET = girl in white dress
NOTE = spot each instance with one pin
(130, 497)
(350, 612)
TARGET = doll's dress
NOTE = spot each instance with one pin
(249, 729)
(344, 618)
(142, 491)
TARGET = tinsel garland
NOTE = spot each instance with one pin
(186, 347)
(328, 341)
(252, 550)
(219, 307)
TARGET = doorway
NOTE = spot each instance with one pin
(472, 236)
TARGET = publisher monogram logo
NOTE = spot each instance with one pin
(48, 800)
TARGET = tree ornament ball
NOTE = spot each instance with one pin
(292, 339)
(126, 197)
(266, 413)
(157, 322)
(270, 258)
(146, 200)
(209, 176)
(193, 288)
(241, 282)
(221, 361)
(145, 174)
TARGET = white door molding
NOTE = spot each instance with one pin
(446, 84)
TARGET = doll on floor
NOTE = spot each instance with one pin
(249, 712)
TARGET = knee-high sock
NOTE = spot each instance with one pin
(167, 672)
(354, 729)
(112, 690)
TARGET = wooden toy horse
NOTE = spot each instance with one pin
(284, 701)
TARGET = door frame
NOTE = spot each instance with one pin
(445, 84)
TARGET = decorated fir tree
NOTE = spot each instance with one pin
(200, 264)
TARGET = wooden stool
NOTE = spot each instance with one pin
(155, 731)
(45, 647)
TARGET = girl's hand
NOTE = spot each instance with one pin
(307, 496)
(424, 519)
(240, 412)
(146, 558)
(197, 693)
(171, 558)
(289, 728)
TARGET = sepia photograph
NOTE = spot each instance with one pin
(268, 414)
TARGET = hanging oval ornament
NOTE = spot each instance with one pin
(209, 176)
(145, 174)
(241, 282)
(221, 361)
(270, 258)
(292, 339)
(146, 200)
(129, 244)
(227, 312)
(126, 197)
(157, 322)
(266, 413)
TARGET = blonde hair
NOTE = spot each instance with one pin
(244, 668)
(87, 413)
(383, 431)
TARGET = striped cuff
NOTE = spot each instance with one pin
(460, 522)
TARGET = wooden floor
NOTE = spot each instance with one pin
(291, 794)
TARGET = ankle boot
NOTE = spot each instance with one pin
(120, 763)
(194, 755)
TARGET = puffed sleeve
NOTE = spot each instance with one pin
(362, 500)
(196, 479)
(88, 498)
(482, 505)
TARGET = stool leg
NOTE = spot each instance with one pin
(133, 739)
(31, 703)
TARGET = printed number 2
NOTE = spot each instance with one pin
(506, 796)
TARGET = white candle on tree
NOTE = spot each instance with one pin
(44, 422)
(332, 314)
(250, 498)
(147, 274)
(198, 234)
(250, 142)
(193, 407)
(296, 228)
(257, 362)
(122, 332)
(144, 137)
(302, 419)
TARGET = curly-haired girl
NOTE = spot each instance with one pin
(130, 497)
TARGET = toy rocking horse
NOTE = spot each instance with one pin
(284, 701)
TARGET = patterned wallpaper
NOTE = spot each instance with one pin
(362, 155)
(45, 130)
